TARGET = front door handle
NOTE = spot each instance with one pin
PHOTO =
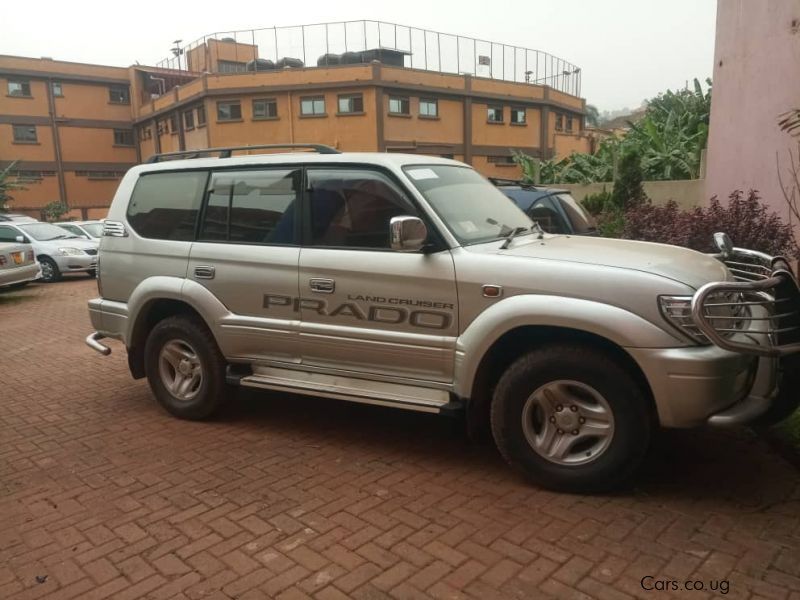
(322, 285)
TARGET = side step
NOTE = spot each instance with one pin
(409, 397)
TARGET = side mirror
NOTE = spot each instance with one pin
(407, 234)
(724, 244)
(21, 239)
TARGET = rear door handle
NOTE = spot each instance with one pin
(322, 285)
(204, 272)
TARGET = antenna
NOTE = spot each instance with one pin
(177, 51)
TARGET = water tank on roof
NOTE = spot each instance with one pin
(329, 59)
(260, 64)
(228, 39)
(286, 61)
(351, 58)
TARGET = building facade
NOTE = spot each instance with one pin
(76, 128)
(756, 62)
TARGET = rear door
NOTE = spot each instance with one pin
(246, 254)
(365, 308)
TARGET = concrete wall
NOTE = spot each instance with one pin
(756, 66)
(687, 193)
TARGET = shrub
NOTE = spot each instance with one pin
(54, 210)
(597, 203)
(628, 187)
(744, 218)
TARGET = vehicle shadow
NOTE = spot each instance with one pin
(727, 470)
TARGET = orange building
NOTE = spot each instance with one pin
(76, 128)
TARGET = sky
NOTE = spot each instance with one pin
(628, 50)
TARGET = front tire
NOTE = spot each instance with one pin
(185, 368)
(50, 271)
(788, 399)
(571, 418)
(91, 273)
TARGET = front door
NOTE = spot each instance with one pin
(247, 245)
(365, 308)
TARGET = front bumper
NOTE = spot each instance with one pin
(696, 385)
(22, 274)
(76, 264)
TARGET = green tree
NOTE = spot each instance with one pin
(592, 115)
(54, 210)
(8, 184)
(628, 188)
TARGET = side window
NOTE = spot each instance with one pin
(74, 230)
(8, 234)
(164, 206)
(547, 216)
(352, 208)
(252, 207)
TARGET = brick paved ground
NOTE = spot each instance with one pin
(102, 495)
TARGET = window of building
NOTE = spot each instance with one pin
(100, 174)
(25, 134)
(494, 114)
(518, 116)
(123, 137)
(351, 104)
(119, 94)
(201, 115)
(569, 123)
(229, 111)
(500, 160)
(188, 119)
(145, 133)
(399, 105)
(559, 122)
(161, 127)
(19, 88)
(265, 108)
(231, 66)
(164, 206)
(428, 108)
(252, 207)
(32, 176)
(58, 89)
(173, 123)
(312, 106)
(351, 208)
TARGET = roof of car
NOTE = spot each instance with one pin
(16, 218)
(89, 222)
(385, 159)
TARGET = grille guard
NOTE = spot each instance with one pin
(765, 286)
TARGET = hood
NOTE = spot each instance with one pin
(673, 262)
(81, 243)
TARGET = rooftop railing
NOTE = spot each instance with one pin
(346, 42)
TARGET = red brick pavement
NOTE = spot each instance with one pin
(102, 495)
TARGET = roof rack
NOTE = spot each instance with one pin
(225, 152)
(498, 181)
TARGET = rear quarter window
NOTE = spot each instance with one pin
(165, 206)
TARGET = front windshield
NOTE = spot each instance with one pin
(44, 232)
(473, 209)
(93, 229)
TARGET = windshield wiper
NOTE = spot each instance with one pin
(511, 235)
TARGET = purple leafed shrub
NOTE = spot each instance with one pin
(746, 219)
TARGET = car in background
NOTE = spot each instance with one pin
(16, 217)
(90, 230)
(57, 251)
(554, 209)
(18, 264)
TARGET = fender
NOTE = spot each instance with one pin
(163, 287)
(617, 325)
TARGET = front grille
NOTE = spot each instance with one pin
(757, 316)
(91, 252)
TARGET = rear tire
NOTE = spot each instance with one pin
(50, 271)
(571, 418)
(185, 368)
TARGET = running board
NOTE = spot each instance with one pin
(351, 389)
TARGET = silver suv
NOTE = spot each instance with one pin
(412, 282)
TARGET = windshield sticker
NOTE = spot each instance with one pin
(420, 174)
(468, 226)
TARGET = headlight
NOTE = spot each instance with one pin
(71, 251)
(678, 311)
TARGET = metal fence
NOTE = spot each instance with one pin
(417, 48)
